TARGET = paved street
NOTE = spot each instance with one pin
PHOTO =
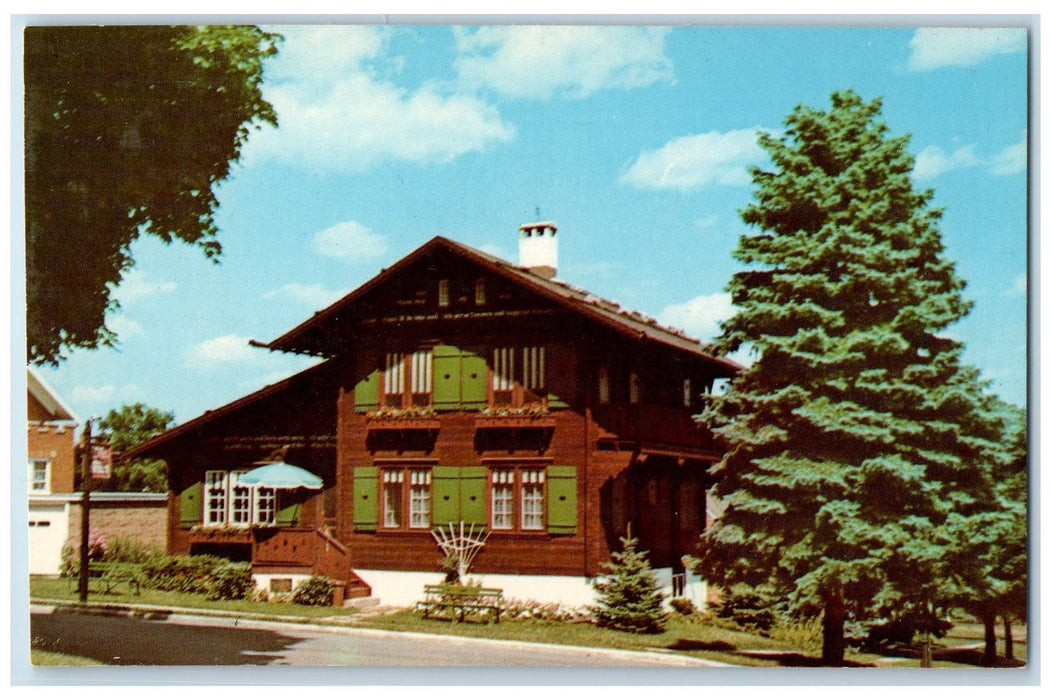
(192, 640)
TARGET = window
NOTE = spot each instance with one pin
(443, 293)
(228, 502)
(479, 292)
(39, 473)
(408, 379)
(415, 500)
(516, 498)
(519, 375)
(603, 385)
(215, 498)
(634, 388)
(687, 394)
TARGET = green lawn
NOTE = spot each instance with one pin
(693, 636)
(39, 657)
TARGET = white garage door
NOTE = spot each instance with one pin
(48, 531)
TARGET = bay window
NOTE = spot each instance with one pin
(229, 502)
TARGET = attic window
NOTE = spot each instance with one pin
(687, 394)
(443, 293)
(603, 385)
(479, 292)
(634, 388)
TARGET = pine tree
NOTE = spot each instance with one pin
(853, 446)
(629, 598)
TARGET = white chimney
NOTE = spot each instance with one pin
(538, 248)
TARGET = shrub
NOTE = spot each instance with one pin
(543, 612)
(747, 611)
(629, 599)
(129, 549)
(683, 606)
(182, 573)
(316, 590)
(69, 566)
(230, 582)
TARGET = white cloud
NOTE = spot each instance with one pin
(1019, 287)
(350, 241)
(124, 326)
(942, 47)
(706, 221)
(312, 295)
(572, 61)
(340, 110)
(699, 316)
(692, 162)
(224, 349)
(933, 161)
(1011, 160)
(87, 393)
(138, 285)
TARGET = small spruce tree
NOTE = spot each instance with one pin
(629, 598)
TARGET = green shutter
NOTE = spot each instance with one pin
(562, 500)
(472, 495)
(190, 505)
(446, 377)
(445, 483)
(366, 498)
(474, 387)
(367, 392)
(288, 515)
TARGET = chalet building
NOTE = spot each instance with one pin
(457, 387)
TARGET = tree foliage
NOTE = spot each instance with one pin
(856, 452)
(127, 427)
(628, 596)
(128, 129)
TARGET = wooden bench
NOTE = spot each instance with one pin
(461, 602)
(109, 575)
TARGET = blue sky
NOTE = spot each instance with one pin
(635, 140)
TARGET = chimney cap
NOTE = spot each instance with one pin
(538, 224)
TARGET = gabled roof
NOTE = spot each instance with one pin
(308, 336)
(48, 398)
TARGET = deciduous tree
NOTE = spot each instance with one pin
(854, 448)
(127, 427)
(128, 129)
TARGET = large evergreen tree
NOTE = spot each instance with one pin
(854, 452)
(128, 129)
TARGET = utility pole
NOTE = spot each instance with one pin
(85, 510)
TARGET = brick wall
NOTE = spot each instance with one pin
(131, 518)
(54, 442)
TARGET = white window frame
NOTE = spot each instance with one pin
(393, 497)
(502, 499)
(531, 498)
(216, 497)
(419, 498)
(45, 483)
(223, 505)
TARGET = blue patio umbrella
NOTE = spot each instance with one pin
(280, 475)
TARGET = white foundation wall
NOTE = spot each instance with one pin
(262, 581)
(405, 588)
